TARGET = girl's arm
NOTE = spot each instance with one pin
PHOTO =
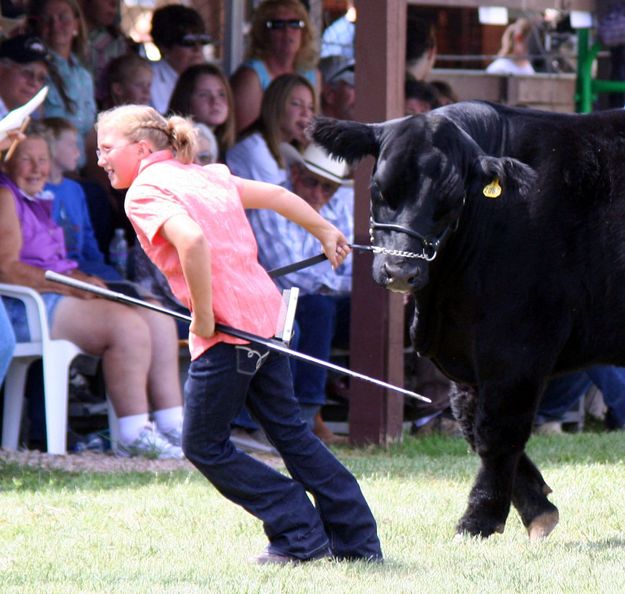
(255, 194)
(195, 259)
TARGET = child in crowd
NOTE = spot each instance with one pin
(203, 93)
(513, 57)
(191, 222)
(128, 80)
(69, 207)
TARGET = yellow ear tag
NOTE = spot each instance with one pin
(493, 189)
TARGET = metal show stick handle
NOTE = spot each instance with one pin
(267, 342)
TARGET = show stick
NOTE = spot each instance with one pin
(273, 345)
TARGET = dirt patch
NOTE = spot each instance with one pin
(98, 462)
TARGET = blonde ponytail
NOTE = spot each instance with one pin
(183, 138)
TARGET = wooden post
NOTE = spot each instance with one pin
(376, 337)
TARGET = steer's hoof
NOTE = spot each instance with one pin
(542, 526)
(472, 527)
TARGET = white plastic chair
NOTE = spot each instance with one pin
(57, 356)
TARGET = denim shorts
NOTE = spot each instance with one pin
(17, 313)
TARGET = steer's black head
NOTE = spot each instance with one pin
(425, 168)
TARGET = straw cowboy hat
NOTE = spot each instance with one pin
(318, 161)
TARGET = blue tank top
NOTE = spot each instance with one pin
(260, 68)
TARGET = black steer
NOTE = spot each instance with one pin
(512, 228)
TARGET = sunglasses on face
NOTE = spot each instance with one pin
(284, 24)
(194, 40)
(327, 188)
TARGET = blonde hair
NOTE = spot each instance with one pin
(306, 57)
(520, 28)
(141, 122)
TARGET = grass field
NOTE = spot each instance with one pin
(172, 532)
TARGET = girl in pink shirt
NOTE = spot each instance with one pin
(191, 222)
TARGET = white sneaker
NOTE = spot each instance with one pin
(549, 428)
(150, 444)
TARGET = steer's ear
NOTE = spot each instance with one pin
(495, 176)
(341, 138)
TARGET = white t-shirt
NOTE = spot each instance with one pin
(508, 66)
(164, 79)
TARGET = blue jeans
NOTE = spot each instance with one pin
(219, 383)
(563, 392)
(17, 313)
(7, 342)
(320, 318)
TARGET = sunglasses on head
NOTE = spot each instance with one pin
(283, 24)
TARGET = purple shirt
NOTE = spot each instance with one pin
(43, 244)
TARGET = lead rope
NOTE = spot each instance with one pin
(376, 249)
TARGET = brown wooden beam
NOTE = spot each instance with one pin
(376, 339)
(539, 5)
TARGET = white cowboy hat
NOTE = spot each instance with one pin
(318, 161)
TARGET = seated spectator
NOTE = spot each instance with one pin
(207, 151)
(446, 94)
(204, 94)
(420, 48)
(323, 307)
(71, 91)
(287, 108)
(339, 37)
(338, 87)
(105, 40)
(282, 42)
(180, 35)
(513, 56)
(7, 337)
(139, 348)
(562, 394)
(69, 204)
(128, 80)
(23, 70)
(419, 97)
(7, 342)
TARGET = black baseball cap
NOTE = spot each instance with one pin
(24, 49)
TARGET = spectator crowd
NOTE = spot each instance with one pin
(60, 203)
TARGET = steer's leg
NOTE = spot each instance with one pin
(529, 497)
(462, 399)
(502, 425)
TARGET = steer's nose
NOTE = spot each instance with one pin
(402, 279)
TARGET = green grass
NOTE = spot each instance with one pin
(172, 532)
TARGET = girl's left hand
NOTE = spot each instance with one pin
(335, 245)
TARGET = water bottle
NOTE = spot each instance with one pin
(118, 253)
